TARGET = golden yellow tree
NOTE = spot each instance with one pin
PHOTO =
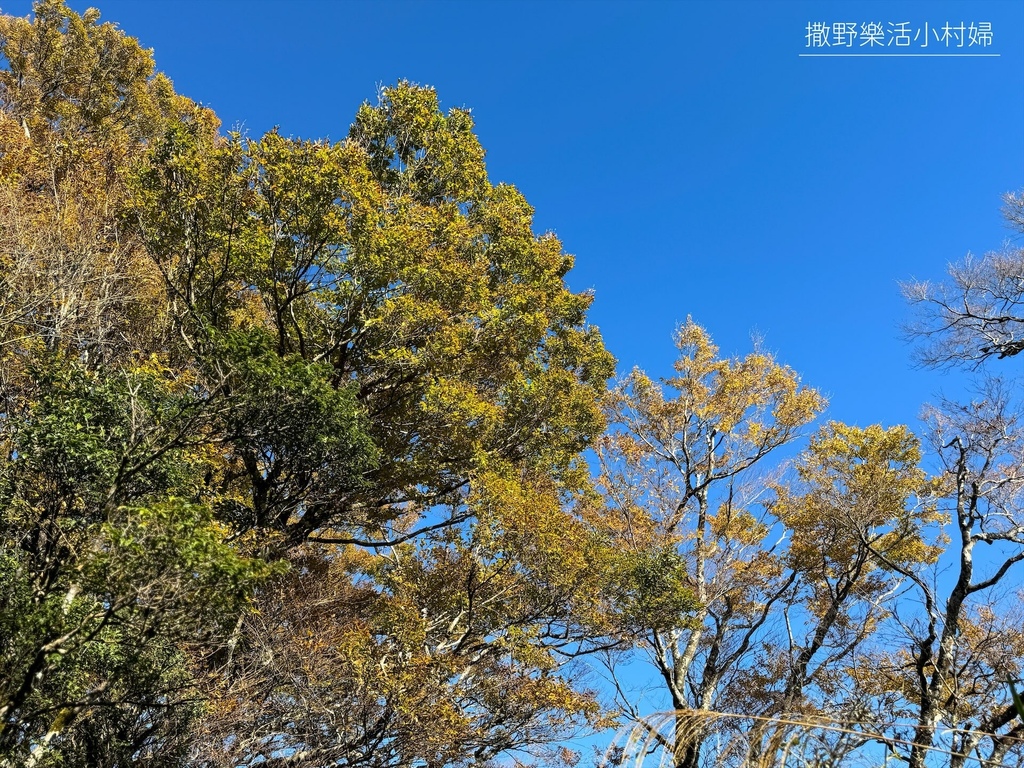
(678, 475)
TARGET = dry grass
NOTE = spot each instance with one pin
(746, 741)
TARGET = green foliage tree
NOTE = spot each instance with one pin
(223, 356)
(113, 565)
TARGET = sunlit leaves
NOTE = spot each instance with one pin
(217, 348)
(446, 314)
(698, 573)
(864, 489)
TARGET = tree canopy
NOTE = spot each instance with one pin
(310, 457)
(247, 379)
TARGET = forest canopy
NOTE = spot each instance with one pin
(310, 457)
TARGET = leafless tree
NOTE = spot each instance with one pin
(978, 312)
(959, 651)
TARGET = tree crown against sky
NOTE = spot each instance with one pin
(294, 469)
(977, 313)
(233, 363)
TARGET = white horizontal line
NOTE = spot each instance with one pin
(899, 55)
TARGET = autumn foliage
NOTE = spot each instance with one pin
(310, 458)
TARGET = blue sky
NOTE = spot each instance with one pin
(685, 152)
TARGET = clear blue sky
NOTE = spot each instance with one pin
(687, 154)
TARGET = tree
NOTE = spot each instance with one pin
(757, 597)
(678, 477)
(449, 650)
(979, 312)
(81, 104)
(949, 678)
(857, 493)
(222, 357)
(112, 562)
(388, 264)
(390, 344)
(112, 568)
(970, 636)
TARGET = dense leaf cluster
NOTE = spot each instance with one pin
(261, 401)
